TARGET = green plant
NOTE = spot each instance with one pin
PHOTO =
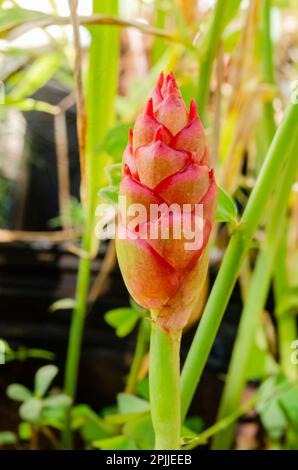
(40, 409)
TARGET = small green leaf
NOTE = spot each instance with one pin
(62, 304)
(18, 392)
(122, 319)
(25, 431)
(27, 81)
(8, 438)
(109, 194)
(271, 413)
(115, 443)
(31, 409)
(141, 432)
(289, 404)
(116, 140)
(114, 173)
(90, 425)
(43, 379)
(57, 401)
(226, 207)
(131, 404)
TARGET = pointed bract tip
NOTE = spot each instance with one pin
(130, 136)
(193, 112)
(160, 80)
(158, 136)
(149, 108)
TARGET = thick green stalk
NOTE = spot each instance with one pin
(235, 253)
(100, 96)
(141, 347)
(257, 295)
(164, 373)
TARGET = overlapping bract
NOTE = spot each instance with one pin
(166, 162)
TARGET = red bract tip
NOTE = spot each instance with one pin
(126, 170)
(130, 136)
(170, 76)
(193, 112)
(158, 136)
(172, 87)
(149, 108)
(160, 80)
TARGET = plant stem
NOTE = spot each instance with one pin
(76, 334)
(268, 68)
(238, 246)
(286, 323)
(140, 350)
(257, 295)
(100, 95)
(164, 375)
(208, 58)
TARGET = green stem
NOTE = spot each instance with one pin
(287, 333)
(140, 350)
(238, 247)
(268, 68)
(208, 58)
(286, 323)
(164, 376)
(258, 292)
(76, 334)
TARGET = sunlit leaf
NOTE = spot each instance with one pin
(31, 409)
(18, 392)
(43, 379)
(62, 304)
(7, 438)
(226, 207)
(122, 319)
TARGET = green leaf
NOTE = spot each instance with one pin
(114, 173)
(289, 404)
(26, 82)
(271, 413)
(226, 207)
(90, 425)
(25, 431)
(116, 141)
(11, 18)
(8, 438)
(31, 409)
(30, 104)
(122, 319)
(62, 304)
(141, 432)
(43, 379)
(109, 194)
(54, 417)
(131, 404)
(57, 401)
(18, 392)
(115, 443)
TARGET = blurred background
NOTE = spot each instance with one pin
(241, 89)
